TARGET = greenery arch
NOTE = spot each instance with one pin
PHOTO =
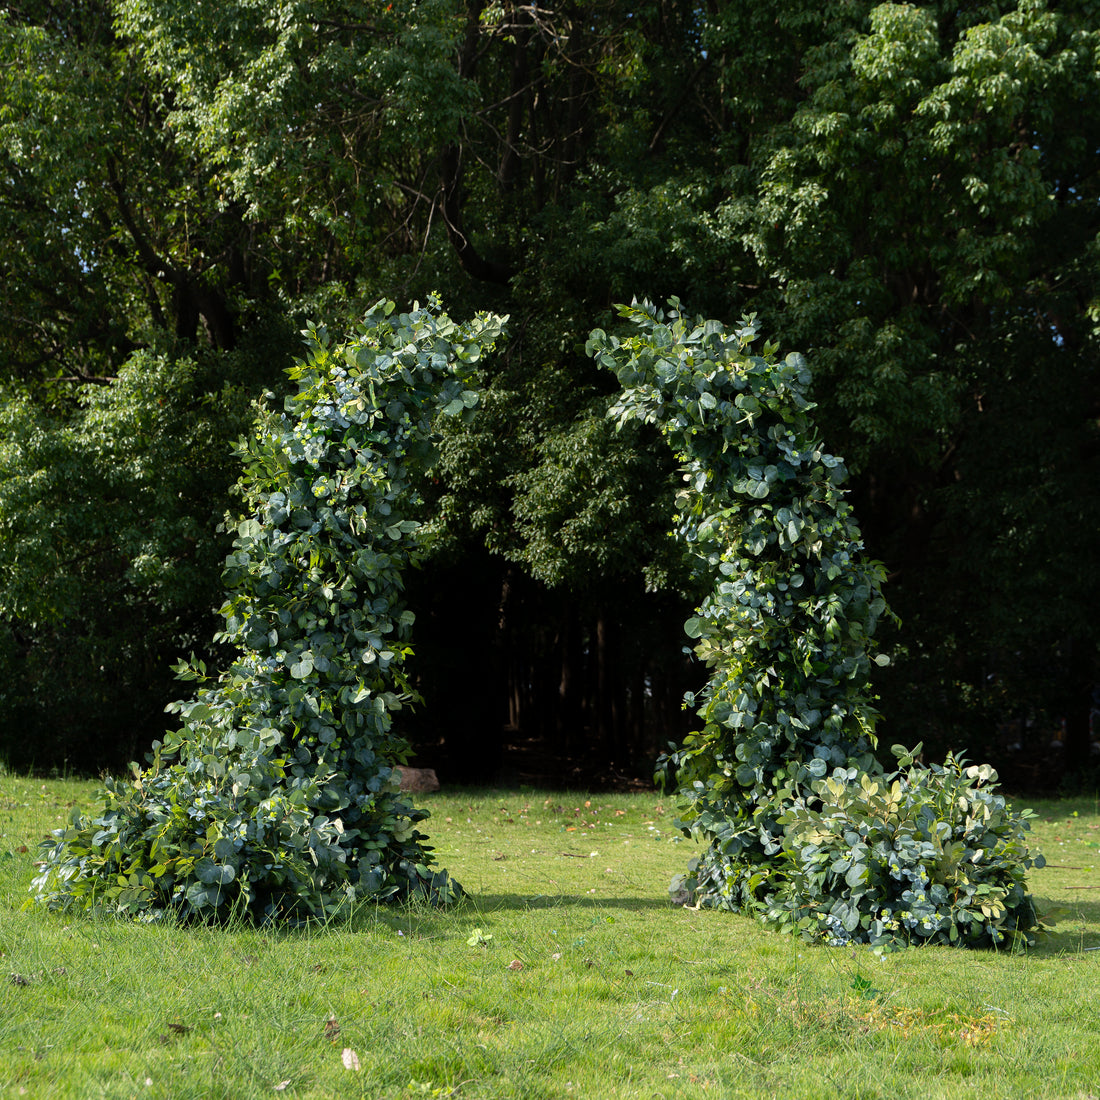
(800, 823)
(277, 795)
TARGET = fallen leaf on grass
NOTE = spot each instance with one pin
(350, 1059)
(281, 1085)
(332, 1029)
(515, 964)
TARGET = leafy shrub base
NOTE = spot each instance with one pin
(921, 855)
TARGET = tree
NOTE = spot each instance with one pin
(109, 516)
(138, 325)
(929, 209)
(910, 193)
(905, 192)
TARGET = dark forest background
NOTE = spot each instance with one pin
(909, 194)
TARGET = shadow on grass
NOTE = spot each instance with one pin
(1076, 927)
(423, 920)
(495, 903)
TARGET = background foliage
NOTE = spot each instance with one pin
(907, 193)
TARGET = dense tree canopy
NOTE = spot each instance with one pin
(906, 193)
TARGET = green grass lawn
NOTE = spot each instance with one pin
(566, 973)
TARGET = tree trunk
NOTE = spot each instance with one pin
(1080, 672)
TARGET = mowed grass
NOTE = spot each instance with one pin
(566, 973)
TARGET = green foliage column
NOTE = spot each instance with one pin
(799, 824)
(278, 793)
(787, 627)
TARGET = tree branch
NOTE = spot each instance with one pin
(677, 106)
(472, 261)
